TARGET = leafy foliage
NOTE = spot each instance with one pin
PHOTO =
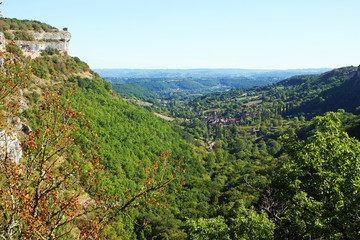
(240, 183)
(182, 86)
(133, 89)
(57, 66)
(24, 25)
(56, 186)
(23, 35)
(248, 224)
(238, 132)
(321, 182)
(239, 223)
(14, 49)
(214, 228)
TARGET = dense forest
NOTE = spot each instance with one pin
(185, 86)
(187, 83)
(192, 82)
(272, 161)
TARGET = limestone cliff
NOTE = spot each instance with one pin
(355, 74)
(57, 40)
(2, 41)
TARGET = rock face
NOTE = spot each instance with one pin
(61, 36)
(59, 40)
(355, 74)
(10, 147)
(2, 42)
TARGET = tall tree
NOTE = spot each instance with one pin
(321, 183)
(48, 190)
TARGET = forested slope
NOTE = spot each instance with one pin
(317, 94)
(128, 134)
(94, 160)
(304, 95)
(240, 131)
(127, 138)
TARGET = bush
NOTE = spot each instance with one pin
(14, 49)
(40, 71)
(34, 97)
(26, 25)
(50, 51)
(23, 35)
(8, 36)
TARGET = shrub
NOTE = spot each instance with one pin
(40, 71)
(8, 36)
(50, 51)
(23, 35)
(14, 49)
(34, 97)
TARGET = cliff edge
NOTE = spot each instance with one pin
(355, 74)
(59, 40)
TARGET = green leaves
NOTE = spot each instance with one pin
(240, 223)
(213, 228)
(321, 180)
(249, 224)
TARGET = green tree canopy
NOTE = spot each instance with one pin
(321, 182)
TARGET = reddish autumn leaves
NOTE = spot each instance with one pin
(46, 193)
(14, 75)
(54, 191)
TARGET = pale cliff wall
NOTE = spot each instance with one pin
(2, 42)
(62, 36)
(33, 49)
(59, 40)
(355, 74)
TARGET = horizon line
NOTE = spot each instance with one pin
(265, 69)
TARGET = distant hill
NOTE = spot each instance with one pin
(133, 89)
(229, 141)
(329, 91)
(195, 81)
(206, 73)
(184, 86)
(303, 95)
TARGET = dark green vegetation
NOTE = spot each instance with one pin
(230, 141)
(127, 134)
(305, 95)
(19, 35)
(185, 86)
(14, 49)
(134, 90)
(181, 83)
(320, 182)
(258, 167)
(53, 65)
(24, 25)
(245, 165)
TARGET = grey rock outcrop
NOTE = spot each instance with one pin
(2, 42)
(355, 74)
(33, 49)
(59, 40)
(10, 147)
(61, 36)
(23, 105)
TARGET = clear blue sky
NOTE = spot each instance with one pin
(263, 34)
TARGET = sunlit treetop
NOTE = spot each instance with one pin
(7, 24)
